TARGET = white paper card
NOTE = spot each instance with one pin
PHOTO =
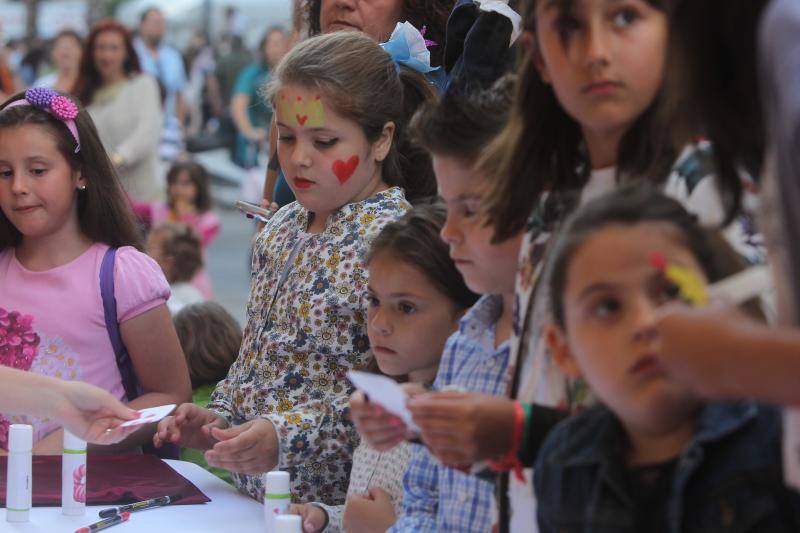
(386, 392)
(149, 415)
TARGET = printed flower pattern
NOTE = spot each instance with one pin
(306, 329)
(19, 345)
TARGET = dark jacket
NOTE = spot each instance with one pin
(728, 479)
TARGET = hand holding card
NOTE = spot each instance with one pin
(150, 415)
(385, 392)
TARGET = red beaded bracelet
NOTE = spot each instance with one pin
(510, 461)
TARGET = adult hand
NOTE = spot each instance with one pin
(463, 428)
(694, 344)
(190, 427)
(314, 518)
(251, 448)
(369, 512)
(92, 414)
(258, 135)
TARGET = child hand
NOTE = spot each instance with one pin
(369, 512)
(314, 518)
(463, 428)
(381, 429)
(251, 448)
(190, 427)
(91, 413)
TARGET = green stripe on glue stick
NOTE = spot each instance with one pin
(277, 496)
(75, 452)
(13, 510)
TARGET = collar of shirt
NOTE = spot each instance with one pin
(350, 211)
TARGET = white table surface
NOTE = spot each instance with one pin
(228, 511)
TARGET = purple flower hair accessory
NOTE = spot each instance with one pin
(61, 107)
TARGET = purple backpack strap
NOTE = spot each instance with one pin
(129, 382)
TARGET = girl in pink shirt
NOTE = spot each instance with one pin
(188, 202)
(61, 209)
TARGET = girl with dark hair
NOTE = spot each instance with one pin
(125, 104)
(746, 46)
(63, 214)
(416, 297)
(654, 456)
(341, 102)
(188, 202)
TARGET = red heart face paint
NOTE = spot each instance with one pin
(343, 170)
(301, 119)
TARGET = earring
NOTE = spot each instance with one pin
(81, 187)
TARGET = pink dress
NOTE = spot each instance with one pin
(207, 227)
(52, 322)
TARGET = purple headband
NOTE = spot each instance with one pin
(57, 105)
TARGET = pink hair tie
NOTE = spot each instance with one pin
(57, 105)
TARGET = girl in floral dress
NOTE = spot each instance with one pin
(341, 104)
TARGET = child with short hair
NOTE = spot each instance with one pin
(653, 456)
(176, 249)
(436, 496)
(416, 297)
(63, 215)
(210, 338)
(341, 102)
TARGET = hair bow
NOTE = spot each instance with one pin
(408, 47)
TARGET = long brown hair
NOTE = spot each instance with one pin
(362, 83)
(89, 80)
(104, 213)
(541, 150)
(429, 14)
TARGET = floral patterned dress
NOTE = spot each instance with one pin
(306, 328)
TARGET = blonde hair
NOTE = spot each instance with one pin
(362, 83)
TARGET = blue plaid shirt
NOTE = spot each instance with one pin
(437, 498)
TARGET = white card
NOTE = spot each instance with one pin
(149, 415)
(386, 392)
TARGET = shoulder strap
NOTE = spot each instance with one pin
(124, 364)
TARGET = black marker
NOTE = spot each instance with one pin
(140, 506)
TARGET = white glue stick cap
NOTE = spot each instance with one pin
(276, 482)
(288, 523)
(71, 442)
(20, 438)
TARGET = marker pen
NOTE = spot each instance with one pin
(140, 506)
(104, 524)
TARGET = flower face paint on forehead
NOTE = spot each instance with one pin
(297, 111)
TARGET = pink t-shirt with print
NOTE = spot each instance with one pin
(52, 322)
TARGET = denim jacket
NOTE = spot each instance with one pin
(728, 479)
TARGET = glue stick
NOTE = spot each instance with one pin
(277, 497)
(73, 476)
(20, 465)
(288, 523)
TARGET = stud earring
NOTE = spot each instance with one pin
(81, 187)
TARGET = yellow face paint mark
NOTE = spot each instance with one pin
(298, 112)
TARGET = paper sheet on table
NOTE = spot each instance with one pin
(385, 392)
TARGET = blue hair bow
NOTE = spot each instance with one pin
(408, 47)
